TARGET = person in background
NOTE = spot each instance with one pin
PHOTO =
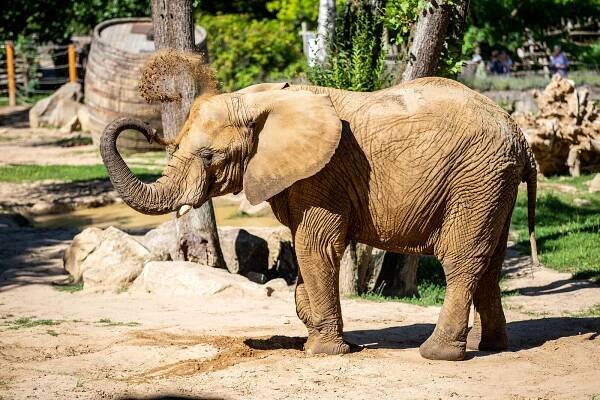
(506, 62)
(477, 60)
(495, 65)
(559, 64)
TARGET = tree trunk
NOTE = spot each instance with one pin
(325, 28)
(173, 23)
(428, 40)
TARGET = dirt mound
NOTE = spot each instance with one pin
(230, 351)
(565, 134)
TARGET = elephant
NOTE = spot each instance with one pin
(426, 167)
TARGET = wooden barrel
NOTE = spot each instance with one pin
(119, 49)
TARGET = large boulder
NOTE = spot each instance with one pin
(260, 254)
(184, 278)
(106, 259)
(63, 109)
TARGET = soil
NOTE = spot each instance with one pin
(230, 347)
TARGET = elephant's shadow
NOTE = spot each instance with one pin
(522, 335)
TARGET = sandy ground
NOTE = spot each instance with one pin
(231, 347)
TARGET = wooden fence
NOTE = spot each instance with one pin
(27, 71)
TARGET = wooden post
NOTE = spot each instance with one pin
(72, 64)
(10, 70)
(197, 236)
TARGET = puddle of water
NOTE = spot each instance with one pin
(123, 216)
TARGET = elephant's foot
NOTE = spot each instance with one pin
(316, 345)
(491, 341)
(438, 347)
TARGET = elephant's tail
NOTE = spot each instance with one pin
(530, 177)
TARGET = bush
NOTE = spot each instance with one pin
(356, 56)
(244, 51)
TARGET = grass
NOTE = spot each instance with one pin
(591, 78)
(568, 235)
(31, 323)
(68, 173)
(593, 311)
(69, 288)
(109, 322)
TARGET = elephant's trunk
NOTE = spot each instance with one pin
(155, 198)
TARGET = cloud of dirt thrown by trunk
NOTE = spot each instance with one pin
(157, 83)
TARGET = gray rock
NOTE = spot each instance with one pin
(57, 109)
(105, 260)
(266, 251)
(184, 278)
(81, 247)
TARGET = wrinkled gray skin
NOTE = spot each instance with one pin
(427, 167)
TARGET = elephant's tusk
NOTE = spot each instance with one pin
(183, 210)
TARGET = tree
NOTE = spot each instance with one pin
(326, 28)
(197, 236)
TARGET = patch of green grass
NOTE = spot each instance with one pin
(579, 182)
(68, 173)
(591, 78)
(109, 322)
(31, 323)
(52, 332)
(69, 288)
(593, 311)
(568, 235)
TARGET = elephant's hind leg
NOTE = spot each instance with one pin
(448, 340)
(489, 324)
(320, 243)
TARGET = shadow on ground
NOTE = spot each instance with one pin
(522, 335)
(170, 397)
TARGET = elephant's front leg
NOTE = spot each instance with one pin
(320, 243)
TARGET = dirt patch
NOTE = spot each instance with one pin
(230, 351)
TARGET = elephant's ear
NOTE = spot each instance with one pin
(296, 134)
(261, 87)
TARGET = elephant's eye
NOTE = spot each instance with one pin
(207, 157)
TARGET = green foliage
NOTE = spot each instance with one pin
(30, 323)
(506, 23)
(400, 15)
(54, 22)
(568, 234)
(356, 56)
(591, 55)
(244, 51)
(71, 173)
(295, 11)
(69, 288)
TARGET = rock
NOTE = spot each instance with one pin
(278, 285)
(162, 241)
(582, 202)
(266, 251)
(594, 184)
(564, 133)
(256, 277)
(184, 278)
(105, 260)
(82, 245)
(58, 108)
